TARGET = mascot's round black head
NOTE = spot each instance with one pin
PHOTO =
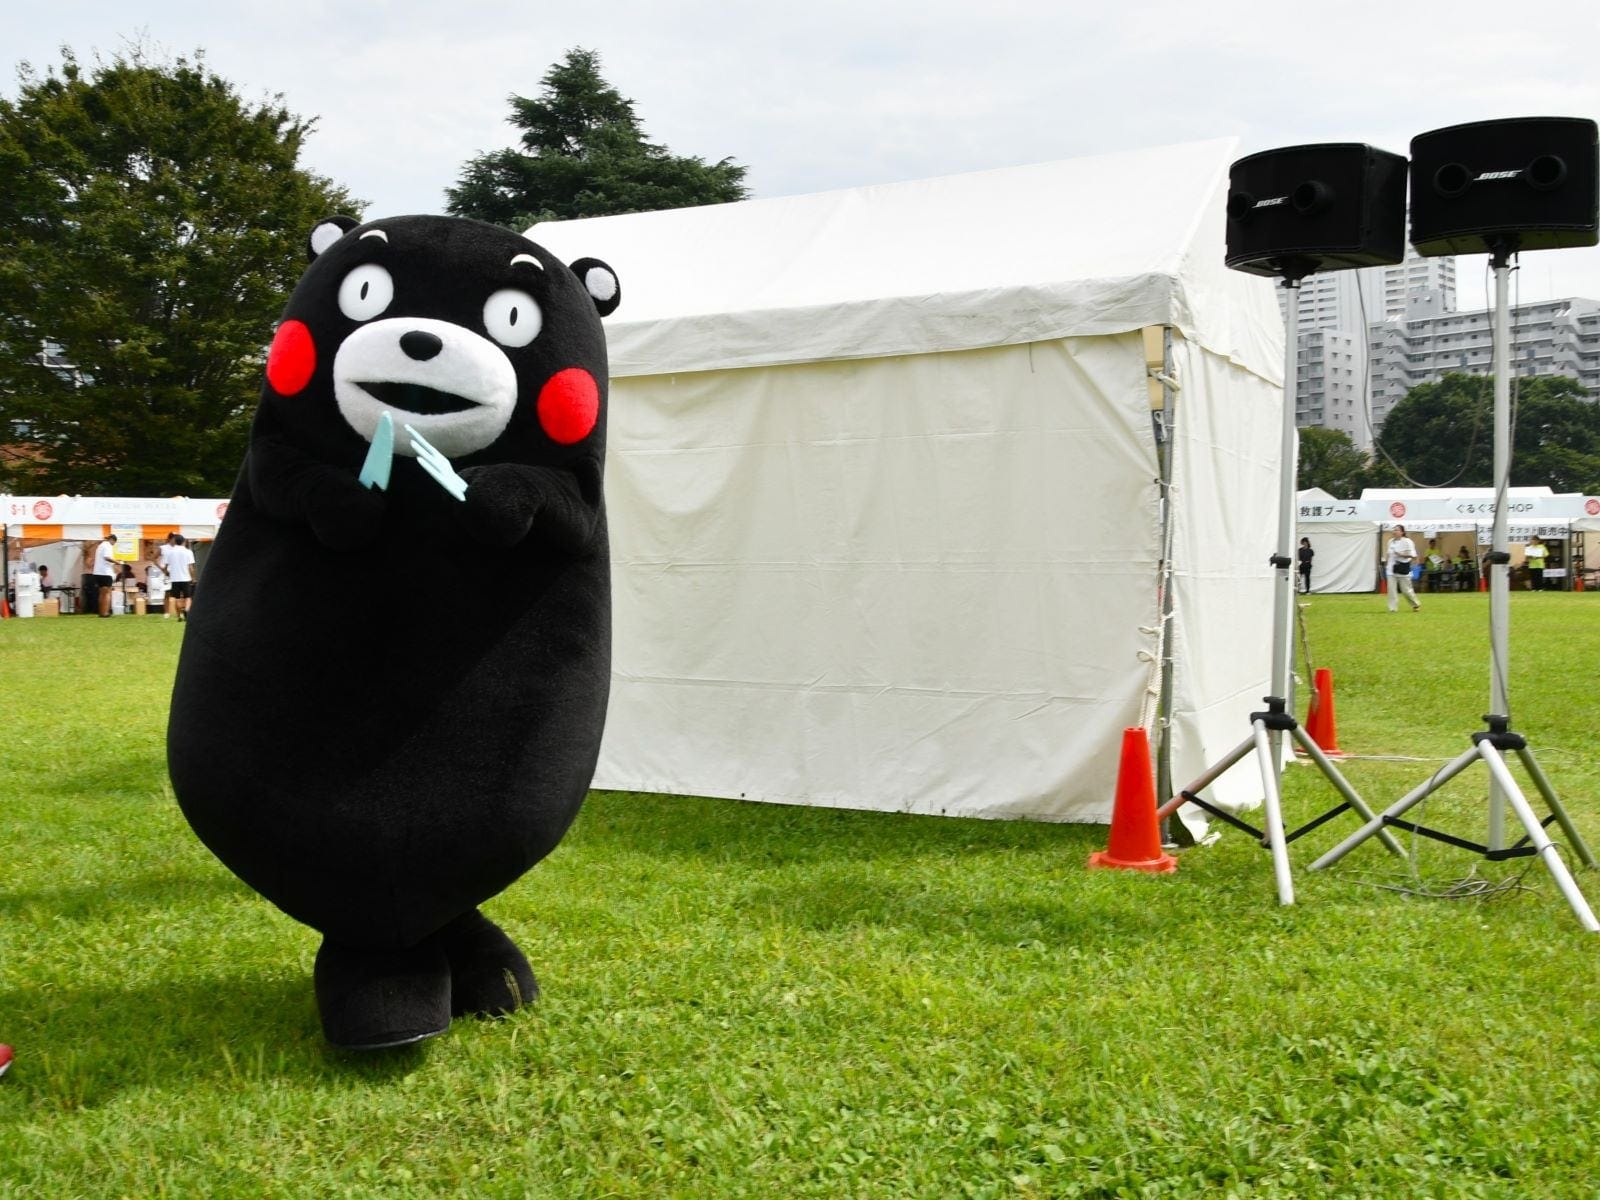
(478, 338)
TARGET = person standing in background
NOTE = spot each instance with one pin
(103, 574)
(180, 571)
(1535, 556)
(1305, 554)
(1433, 564)
(1397, 565)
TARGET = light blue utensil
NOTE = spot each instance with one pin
(437, 465)
(380, 455)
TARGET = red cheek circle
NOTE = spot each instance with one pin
(569, 405)
(292, 359)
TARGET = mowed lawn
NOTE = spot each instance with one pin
(752, 1001)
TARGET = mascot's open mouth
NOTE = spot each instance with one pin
(415, 398)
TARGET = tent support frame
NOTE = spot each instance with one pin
(1267, 728)
(1162, 419)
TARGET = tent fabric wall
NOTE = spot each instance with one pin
(934, 601)
(1348, 555)
(1226, 468)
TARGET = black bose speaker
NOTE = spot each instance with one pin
(1525, 184)
(1327, 207)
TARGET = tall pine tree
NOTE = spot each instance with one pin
(584, 154)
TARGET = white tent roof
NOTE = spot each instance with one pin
(1085, 247)
(86, 517)
(1464, 507)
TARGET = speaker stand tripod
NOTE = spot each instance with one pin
(1489, 746)
(1268, 727)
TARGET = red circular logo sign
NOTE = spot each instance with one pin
(1397, 509)
(1592, 506)
(222, 510)
(42, 511)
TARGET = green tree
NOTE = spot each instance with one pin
(1556, 436)
(584, 154)
(1330, 460)
(153, 223)
(1442, 434)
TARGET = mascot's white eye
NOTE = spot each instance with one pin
(512, 317)
(366, 292)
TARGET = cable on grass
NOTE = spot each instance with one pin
(1472, 886)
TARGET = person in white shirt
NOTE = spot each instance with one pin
(180, 572)
(104, 572)
(1401, 557)
(155, 583)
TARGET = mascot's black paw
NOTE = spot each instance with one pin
(351, 522)
(373, 999)
(496, 512)
(489, 977)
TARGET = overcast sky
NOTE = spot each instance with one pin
(841, 93)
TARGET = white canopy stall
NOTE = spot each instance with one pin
(1353, 532)
(1344, 540)
(57, 531)
(884, 487)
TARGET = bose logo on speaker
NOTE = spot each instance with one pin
(1273, 201)
(1498, 175)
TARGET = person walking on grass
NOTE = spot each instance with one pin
(1402, 555)
(180, 573)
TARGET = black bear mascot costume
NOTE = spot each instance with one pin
(370, 737)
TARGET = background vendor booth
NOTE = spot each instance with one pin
(61, 532)
(1456, 519)
(1344, 539)
(885, 487)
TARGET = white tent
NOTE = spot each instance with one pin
(86, 518)
(884, 485)
(1345, 541)
(1352, 532)
(54, 531)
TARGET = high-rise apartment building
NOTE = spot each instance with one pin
(1550, 337)
(1336, 310)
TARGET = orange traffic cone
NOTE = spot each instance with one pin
(1383, 585)
(1319, 715)
(1483, 580)
(1135, 843)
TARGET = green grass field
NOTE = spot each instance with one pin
(752, 1001)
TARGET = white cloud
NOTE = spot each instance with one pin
(838, 93)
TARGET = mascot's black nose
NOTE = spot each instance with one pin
(420, 346)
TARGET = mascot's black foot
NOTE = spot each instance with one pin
(373, 999)
(489, 977)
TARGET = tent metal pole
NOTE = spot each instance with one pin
(1283, 559)
(1500, 541)
(1165, 423)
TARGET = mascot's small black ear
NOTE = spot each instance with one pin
(326, 232)
(601, 282)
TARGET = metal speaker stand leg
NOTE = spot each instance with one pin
(1267, 728)
(1488, 748)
